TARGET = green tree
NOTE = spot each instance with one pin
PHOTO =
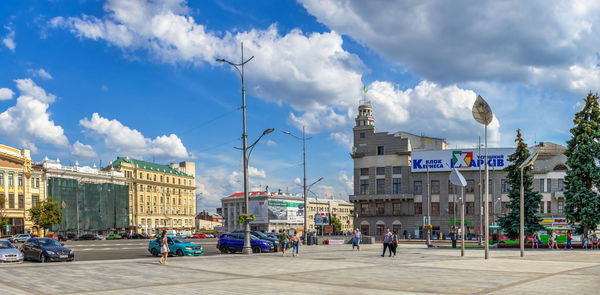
(3, 218)
(337, 224)
(582, 205)
(46, 213)
(511, 222)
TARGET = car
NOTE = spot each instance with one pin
(62, 238)
(177, 246)
(46, 250)
(100, 237)
(114, 237)
(52, 236)
(199, 236)
(185, 234)
(210, 235)
(125, 235)
(233, 242)
(9, 253)
(263, 236)
(88, 237)
(22, 238)
(138, 236)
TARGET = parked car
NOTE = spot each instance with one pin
(210, 235)
(125, 235)
(9, 253)
(52, 236)
(185, 234)
(22, 238)
(62, 238)
(139, 236)
(233, 242)
(46, 250)
(199, 236)
(114, 237)
(177, 246)
(265, 237)
(88, 237)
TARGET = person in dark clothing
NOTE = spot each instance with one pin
(393, 244)
(387, 237)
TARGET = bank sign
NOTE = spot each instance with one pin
(463, 159)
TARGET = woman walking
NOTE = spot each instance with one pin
(393, 244)
(163, 242)
(295, 244)
(356, 241)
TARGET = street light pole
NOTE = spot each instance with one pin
(247, 247)
(528, 162)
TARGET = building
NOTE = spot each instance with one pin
(20, 189)
(402, 179)
(160, 196)
(276, 210)
(208, 221)
(92, 201)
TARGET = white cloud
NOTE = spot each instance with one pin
(104, 88)
(6, 94)
(28, 122)
(131, 142)
(271, 143)
(41, 73)
(343, 138)
(9, 39)
(83, 150)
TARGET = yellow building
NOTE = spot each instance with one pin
(20, 189)
(341, 209)
(160, 196)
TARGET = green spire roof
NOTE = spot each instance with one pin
(147, 166)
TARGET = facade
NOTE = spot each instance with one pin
(160, 196)
(389, 193)
(92, 201)
(208, 221)
(20, 189)
(276, 210)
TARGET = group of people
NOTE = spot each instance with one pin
(589, 241)
(285, 239)
(390, 242)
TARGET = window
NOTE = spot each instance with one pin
(364, 229)
(491, 186)
(435, 187)
(435, 208)
(561, 206)
(418, 189)
(397, 228)
(541, 185)
(364, 171)
(548, 185)
(470, 208)
(541, 208)
(361, 135)
(21, 202)
(161, 178)
(380, 228)
(141, 175)
(11, 201)
(450, 188)
(20, 179)
(505, 186)
(548, 207)
(380, 186)
(561, 185)
(396, 208)
(418, 208)
(364, 186)
(11, 180)
(396, 170)
(380, 150)
(451, 208)
(380, 208)
(470, 186)
(1, 178)
(380, 171)
(142, 210)
(35, 200)
(396, 185)
(364, 208)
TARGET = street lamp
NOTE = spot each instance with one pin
(528, 162)
(456, 178)
(303, 139)
(247, 248)
(482, 113)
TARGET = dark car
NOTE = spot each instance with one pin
(233, 242)
(263, 236)
(88, 237)
(138, 236)
(46, 250)
(62, 238)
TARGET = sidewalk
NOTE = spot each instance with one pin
(333, 269)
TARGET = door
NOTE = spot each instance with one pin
(237, 241)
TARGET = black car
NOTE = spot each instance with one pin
(138, 236)
(88, 237)
(46, 250)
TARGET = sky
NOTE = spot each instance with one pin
(91, 80)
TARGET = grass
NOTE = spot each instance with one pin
(458, 246)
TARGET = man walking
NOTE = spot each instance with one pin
(569, 239)
(387, 237)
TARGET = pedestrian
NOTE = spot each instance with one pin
(554, 244)
(283, 241)
(594, 241)
(405, 235)
(295, 244)
(356, 241)
(314, 237)
(569, 240)
(163, 242)
(536, 240)
(394, 244)
(585, 241)
(387, 237)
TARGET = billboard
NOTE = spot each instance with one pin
(462, 159)
(279, 211)
(322, 218)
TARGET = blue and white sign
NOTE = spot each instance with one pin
(461, 159)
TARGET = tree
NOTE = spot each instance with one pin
(582, 205)
(337, 224)
(46, 213)
(511, 222)
(3, 218)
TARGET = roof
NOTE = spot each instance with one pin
(146, 166)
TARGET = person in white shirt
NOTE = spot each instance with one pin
(387, 237)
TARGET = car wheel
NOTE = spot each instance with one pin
(154, 252)
(224, 249)
(256, 249)
(43, 258)
(179, 252)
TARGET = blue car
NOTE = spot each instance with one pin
(177, 246)
(234, 242)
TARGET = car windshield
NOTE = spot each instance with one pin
(48, 242)
(6, 245)
(260, 235)
(180, 240)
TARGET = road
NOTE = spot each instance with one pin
(124, 249)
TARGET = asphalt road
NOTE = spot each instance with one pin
(124, 249)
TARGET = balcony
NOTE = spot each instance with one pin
(356, 155)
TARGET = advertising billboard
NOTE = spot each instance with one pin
(279, 211)
(462, 159)
(322, 218)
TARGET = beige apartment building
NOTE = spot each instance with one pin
(160, 196)
(341, 209)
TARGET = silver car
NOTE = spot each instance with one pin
(9, 254)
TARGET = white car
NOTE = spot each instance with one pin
(9, 253)
(22, 238)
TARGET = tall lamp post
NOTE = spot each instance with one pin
(528, 162)
(303, 139)
(456, 178)
(240, 68)
(482, 113)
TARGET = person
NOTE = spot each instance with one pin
(594, 241)
(393, 244)
(386, 242)
(554, 244)
(295, 244)
(569, 239)
(283, 241)
(536, 240)
(163, 242)
(405, 235)
(356, 241)
(314, 237)
(585, 241)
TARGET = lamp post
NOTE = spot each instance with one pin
(240, 68)
(456, 178)
(303, 139)
(482, 113)
(528, 162)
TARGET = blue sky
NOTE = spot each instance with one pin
(92, 80)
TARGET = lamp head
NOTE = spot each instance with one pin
(268, 131)
(286, 132)
(220, 60)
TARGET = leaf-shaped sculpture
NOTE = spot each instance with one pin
(482, 111)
